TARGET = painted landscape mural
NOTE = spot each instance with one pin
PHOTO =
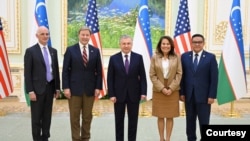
(116, 17)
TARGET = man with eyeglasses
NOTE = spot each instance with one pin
(198, 85)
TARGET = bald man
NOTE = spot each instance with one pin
(41, 74)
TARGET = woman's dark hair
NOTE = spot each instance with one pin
(158, 47)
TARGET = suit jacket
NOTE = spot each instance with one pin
(35, 69)
(122, 85)
(174, 73)
(78, 78)
(202, 82)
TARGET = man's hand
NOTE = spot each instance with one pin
(182, 98)
(97, 92)
(67, 93)
(210, 100)
(143, 97)
(113, 99)
(57, 94)
(32, 96)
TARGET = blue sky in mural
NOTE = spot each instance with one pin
(119, 7)
(124, 5)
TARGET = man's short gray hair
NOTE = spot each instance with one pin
(125, 37)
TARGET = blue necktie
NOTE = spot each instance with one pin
(46, 59)
(126, 63)
(195, 62)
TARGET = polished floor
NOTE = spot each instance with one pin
(16, 126)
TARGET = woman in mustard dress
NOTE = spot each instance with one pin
(165, 74)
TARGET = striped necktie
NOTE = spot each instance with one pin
(84, 56)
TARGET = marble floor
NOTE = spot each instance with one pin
(15, 122)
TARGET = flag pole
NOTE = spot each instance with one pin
(232, 113)
(95, 111)
(2, 113)
(183, 111)
(144, 112)
(249, 59)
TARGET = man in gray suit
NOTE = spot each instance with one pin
(82, 82)
(41, 74)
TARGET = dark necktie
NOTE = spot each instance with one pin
(126, 63)
(195, 62)
(46, 59)
(84, 56)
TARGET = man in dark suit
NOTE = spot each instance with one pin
(198, 85)
(127, 85)
(82, 81)
(41, 74)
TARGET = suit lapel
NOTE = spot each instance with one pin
(50, 51)
(120, 61)
(202, 58)
(51, 55)
(190, 61)
(170, 60)
(131, 62)
(40, 54)
(78, 54)
(159, 62)
(91, 53)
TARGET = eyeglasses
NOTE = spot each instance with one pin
(197, 42)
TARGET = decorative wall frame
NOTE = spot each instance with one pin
(10, 17)
(64, 25)
(168, 17)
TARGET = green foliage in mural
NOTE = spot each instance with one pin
(111, 28)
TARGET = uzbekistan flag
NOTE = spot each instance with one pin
(142, 41)
(232, 76)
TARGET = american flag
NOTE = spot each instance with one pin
(182, 35)
(41, 15)
(93, 23)
(232, 84)
(142, 43)
(6, 86)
